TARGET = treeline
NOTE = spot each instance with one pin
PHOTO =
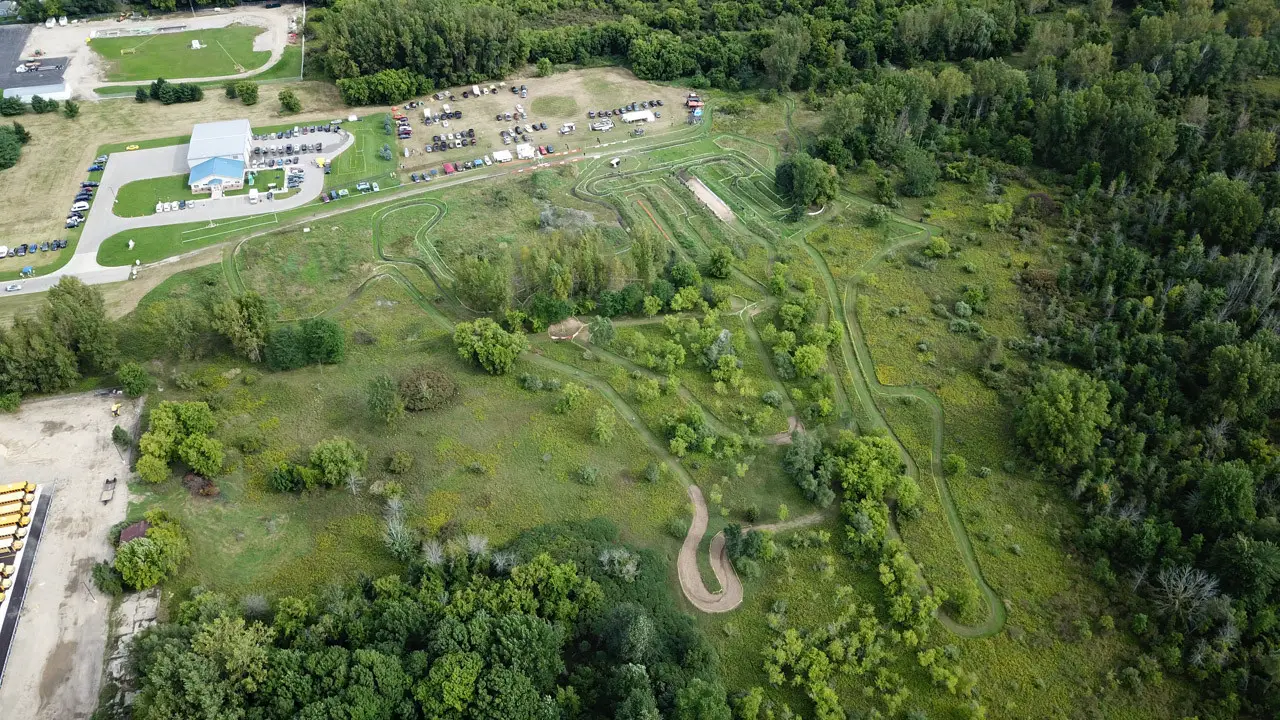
(69, 338)
(564, 622)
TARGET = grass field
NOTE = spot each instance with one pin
(287, 68)
(500, 460)
(226, 51)
(139, 197)
(362, 160)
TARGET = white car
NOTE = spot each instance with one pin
(375, 187)
(487, 161)
(14, 287)
(168, 206)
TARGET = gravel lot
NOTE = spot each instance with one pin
(55, 668)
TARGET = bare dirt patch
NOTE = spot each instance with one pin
(64, 443)
(710, 199)
(570, 329)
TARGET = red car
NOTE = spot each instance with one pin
(448, 168)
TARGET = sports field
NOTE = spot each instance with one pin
(225, 51)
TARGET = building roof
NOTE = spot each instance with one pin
(210, 140)
(12, 40)
(215, 169)
(134, 531)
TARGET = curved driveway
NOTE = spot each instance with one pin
(126, 167)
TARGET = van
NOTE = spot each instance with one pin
(475, 90)
(82, 205)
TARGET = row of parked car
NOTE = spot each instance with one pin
(642, 105)
(450, 141)
(84, 196)
(423, 176)
(295, 177)
(297, 131)
(24, 249)
(175, 205)
(442, 117)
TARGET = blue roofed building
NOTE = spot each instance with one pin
(216, 176)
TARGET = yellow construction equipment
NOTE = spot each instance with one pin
(115, 410)
(24, 486)
(15, 507)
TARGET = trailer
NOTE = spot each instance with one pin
(16, 496)
(108, 490)
(23, 486)
(15, 507)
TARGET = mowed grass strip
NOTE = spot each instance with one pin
(226, 51)
(288, 67)
(139, 197)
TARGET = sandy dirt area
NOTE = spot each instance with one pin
(87, 69)
(710, 199)
(64, 443)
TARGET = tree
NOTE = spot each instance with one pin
(806, 180)
(919, 172)
(809, 360)
(702, 700)
(21, 132)
(141, 95)
(12, 106)
(146, 561)
(1225, 502)
(71, 109)
(1252, 149)
(10, 149)
(1062, 417)
(78, 316)
(202, 454)
(325, 342)
(720, 264)
(156, 86)
(229, 88)
(384, 400)
(337, 458)
(781, 59)
(544, 67)
(247, 91)
(286, 348)
(606, 426)
(244, 320)
(133, 379)
(482, 283)
(289, 101)
(486, 344)
(1226, 212)
(152, 469)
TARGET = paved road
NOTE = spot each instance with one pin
(126, 167)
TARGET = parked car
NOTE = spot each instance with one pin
(333, 194)
(13, 287)
(182, 204)
(343, 192)
(375, 187)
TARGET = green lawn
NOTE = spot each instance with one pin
(362, 161)
(227, 51)
(139, 197)
(554, 105)
(288, 68)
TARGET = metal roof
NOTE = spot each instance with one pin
(218, 167)
(211, 140)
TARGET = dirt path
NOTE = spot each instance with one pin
(710, 199)
(784, 437)
(64, 443)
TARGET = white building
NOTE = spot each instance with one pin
(230, 139)
(217, 155)
(638, 116)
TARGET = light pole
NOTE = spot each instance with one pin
(302, 33)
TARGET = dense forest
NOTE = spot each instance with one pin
(562, 623)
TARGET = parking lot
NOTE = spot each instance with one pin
(64, 443)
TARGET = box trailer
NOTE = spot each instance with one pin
(16, 496)
(23, 486)
(15, 507)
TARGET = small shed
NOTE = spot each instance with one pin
(134, 531)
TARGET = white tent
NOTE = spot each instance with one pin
(524, 151)
(501, 156)
(638, 116)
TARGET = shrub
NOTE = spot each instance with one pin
(571, 398)
(606, 427)
(141, 95)
(937, 248)
(426, 389)
(751, 513)
(289, 101)
(399, 463)
(954, 464)
(247, 91)
(121, 437)
(530, 382)
(544, 67)
(133, 379)
(286, 477)
(146, 561)
(202, 454)
(10, 401)
(107, 579)
(772, 398)
(678, 527)
(486, 344)
(152, 469)
(337, 458)
(588, 475)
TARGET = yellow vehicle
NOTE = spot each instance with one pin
(15, 507)
(24, 486)
(15, 519)
(6, 570)
(13, 531)
(132, 147)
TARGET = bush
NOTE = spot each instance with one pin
(133, 379)
(954, 465)
(107, 579)
(140, 95)
(399, 463)
(247, 91)
(337, 458)
(937, 248)
(121, 437)
(426, 389)
(10, 401)
(677, 528)
(486, 344)
(146, 561)
(152, 469)
(544, 67)
(772, 398)
(202, 454)
(286, 477)
(530, 382)
(289, 101)
(588, 475)
(571, 398)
